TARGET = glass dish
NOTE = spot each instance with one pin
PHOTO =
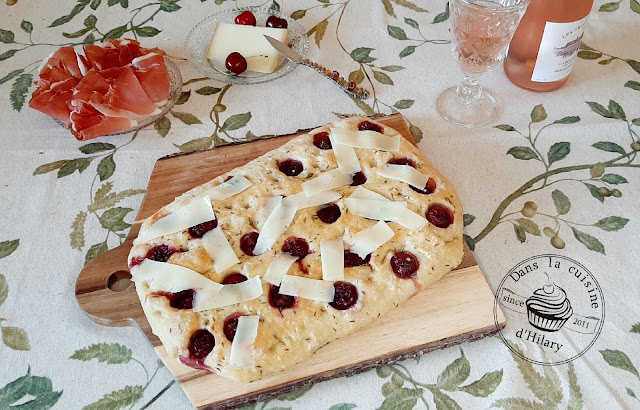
(198, 41)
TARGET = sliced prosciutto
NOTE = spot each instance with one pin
(108, 89)
(125, 96)
(152, 73)
(53, 101)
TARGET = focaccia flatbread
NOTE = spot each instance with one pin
(383, 240)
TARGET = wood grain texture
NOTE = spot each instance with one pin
(457, 308)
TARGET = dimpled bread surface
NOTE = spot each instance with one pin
(289, 336)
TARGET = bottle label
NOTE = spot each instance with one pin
(558, 50)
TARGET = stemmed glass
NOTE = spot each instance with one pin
(482, 30)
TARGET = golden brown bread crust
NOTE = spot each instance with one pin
(292, 335)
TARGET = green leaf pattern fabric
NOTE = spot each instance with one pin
(552, 173)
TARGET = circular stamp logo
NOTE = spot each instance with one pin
(554, 309)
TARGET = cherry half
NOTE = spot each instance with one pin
(352, 259)
(246, 18)
(276, 22)
(159, 253)
(346, 295)
(280, 301)
(439, 215)
(298, 247)
(179, 300)
(236, 63)
(198, 231)
(368, 125)
(358, 178)
(233, 278)
(404, 265)
(201, 344)
(231, 325)
(248, 242)
(329, 214)
(322, 141)
(290, 167)
(428, 189)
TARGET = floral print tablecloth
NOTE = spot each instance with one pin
(552, 173)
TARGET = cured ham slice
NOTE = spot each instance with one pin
(106, 90)
(125, 95)
(152, 73)
(67, 60)
(53, 101)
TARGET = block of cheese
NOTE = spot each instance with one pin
(248, 41)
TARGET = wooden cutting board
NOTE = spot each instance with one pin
(456, 309)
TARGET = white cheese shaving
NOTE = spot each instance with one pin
(386, 210)
(408, 218)
(345, 156)
(326, 181)
(242, 351)
(368, 240)
(194, 213)
(266, 209)
(366, 139)
(301, 201)
(278, 268)
(332, 257)
(275, 225)
(404, 173)
(167, 277)
(320, 290)
(364, 193)
(229, 295)
(229, 188)
(217, 245)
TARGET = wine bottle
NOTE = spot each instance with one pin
(545, 44)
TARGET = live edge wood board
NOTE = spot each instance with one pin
(456, 309)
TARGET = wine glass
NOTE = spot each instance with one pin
(482, 30)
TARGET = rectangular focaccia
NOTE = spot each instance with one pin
(254, 271)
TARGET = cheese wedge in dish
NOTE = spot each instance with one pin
(250, 42)
(257, 269)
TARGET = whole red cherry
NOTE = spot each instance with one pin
(246, 18)
(236, 63)
(277, 22)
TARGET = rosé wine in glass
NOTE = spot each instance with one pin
(482, 30)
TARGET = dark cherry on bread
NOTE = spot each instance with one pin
(439, 215)
(404, 265)
(198, 231)
(233, 278)
(346, 295)
(246, 18)
(236, 63)
(230, 325)
(179, 300)
(329, 214)
(428, 189)
(277, 22)
(298, 247)
(159, 253)
(402, 161)
(358, 178)
(280, 301)
(322, 141)
(248, 242)
(352, 259)
(368, 125)
(201, 344)
(290, 167)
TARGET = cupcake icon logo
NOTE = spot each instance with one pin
(552, 303)
(549, 308)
